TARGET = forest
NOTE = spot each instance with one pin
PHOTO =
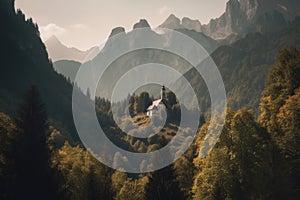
(253, 159)
(256, 157)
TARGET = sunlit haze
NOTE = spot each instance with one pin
(83, 24)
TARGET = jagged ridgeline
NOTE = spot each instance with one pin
(244, 66)
(24, 61)
(242, 17)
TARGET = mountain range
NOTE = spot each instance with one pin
(252, 159)
(243, 55)
(243, 61)
(69, 68)
(242, 17)
(244, 66)
(58, 51)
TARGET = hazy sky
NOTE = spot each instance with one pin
(87, 23)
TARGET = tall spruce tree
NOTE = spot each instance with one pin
(162, 184)
(33, 175)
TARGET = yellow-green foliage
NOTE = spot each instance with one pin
(83, 176)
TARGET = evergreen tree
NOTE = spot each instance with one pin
(144, 101)
(162, 184)
(33, 176)
(131, 106)
(171, 97)
(280, 116)
(185, 171)
(252, 156)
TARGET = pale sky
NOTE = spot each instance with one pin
(86, 23)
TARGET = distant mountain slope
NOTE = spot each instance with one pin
(206, 42)
(188, 27)
(242, 17)
(245, 16)
(58, 51)
(139, 57)
(68, 68)
(193, 28)
(172, 22)
(24, 61)
(244, 66)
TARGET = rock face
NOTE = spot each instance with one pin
(190, 24)
(141, 24)
(172, 22)
(231, 22)
(244, 16)
(116, 31)
(244, 66)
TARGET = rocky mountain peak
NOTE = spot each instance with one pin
(244, 16)
(141, 24)
(172, 22)
(250, 7)
(117, 30)
(232, 5)
(53, 40)
(191, 24)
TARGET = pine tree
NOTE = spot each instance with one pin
(34, 177)
(185, 171)
(162, 184)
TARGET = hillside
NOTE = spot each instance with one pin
(25, 62)
(68, 68)
(244, 66)
(247, 16)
